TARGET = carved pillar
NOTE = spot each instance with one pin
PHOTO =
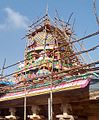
(12, 114)
(65, 114)
(35, 109)
(12, 111)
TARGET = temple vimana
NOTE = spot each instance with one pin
(53, 82)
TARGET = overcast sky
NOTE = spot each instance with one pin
(17, 15)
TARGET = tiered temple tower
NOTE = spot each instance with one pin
(51, 82)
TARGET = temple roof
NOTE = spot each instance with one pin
(50, 56)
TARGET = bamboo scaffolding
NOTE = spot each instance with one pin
(78, 67)
(95, 13)
(62, 37)
(80, 52)
(68, 38)
(66, 71)
(38, 20)
(83, 48)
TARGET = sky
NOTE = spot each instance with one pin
(17, 15)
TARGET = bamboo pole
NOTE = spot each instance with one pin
(25, 103)
(51, 90)
(49, 111)
(25, 99)
(83, 48)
